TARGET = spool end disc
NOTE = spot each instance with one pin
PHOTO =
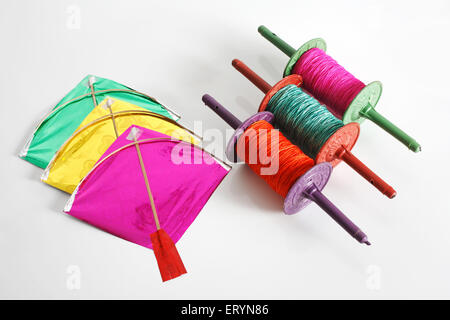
(292, 79)
(230, 151)
(344, 137)
(370, 94)
(314, 43)
(296, 199)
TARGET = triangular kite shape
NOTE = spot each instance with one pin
(61, 122)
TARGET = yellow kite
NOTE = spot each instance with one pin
(96, 133)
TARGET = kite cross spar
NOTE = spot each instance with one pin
(169, 260)
(297, 179)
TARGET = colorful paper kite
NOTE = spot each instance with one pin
(96, 133)
(148, 190)
(58, 125)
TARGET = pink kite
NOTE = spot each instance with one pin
(115, 198)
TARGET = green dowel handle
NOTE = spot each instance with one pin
(370, 113)
(276, 41)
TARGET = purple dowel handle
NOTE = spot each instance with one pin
(226, 115)
(322, 201)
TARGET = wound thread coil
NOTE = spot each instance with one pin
(308, 123)
(327, 80)
(292, 162)
(347, 97)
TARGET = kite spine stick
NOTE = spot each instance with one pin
(113, 121)
(91, 86)
(149, 191)
(109, 103)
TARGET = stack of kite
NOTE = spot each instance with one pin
(131, 169)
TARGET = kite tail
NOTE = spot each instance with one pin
(169, 260)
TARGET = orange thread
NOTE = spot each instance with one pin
(292, 162)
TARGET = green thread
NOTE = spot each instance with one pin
(303, 119)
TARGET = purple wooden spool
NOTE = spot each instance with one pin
(307, 188)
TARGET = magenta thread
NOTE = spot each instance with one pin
(327, 80)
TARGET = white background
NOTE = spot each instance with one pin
(241, 245)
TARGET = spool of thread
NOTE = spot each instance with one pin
(297, 179)
(347, 97)
(311, 126)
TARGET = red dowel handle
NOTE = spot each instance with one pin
(251, 75)
(366, 173)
